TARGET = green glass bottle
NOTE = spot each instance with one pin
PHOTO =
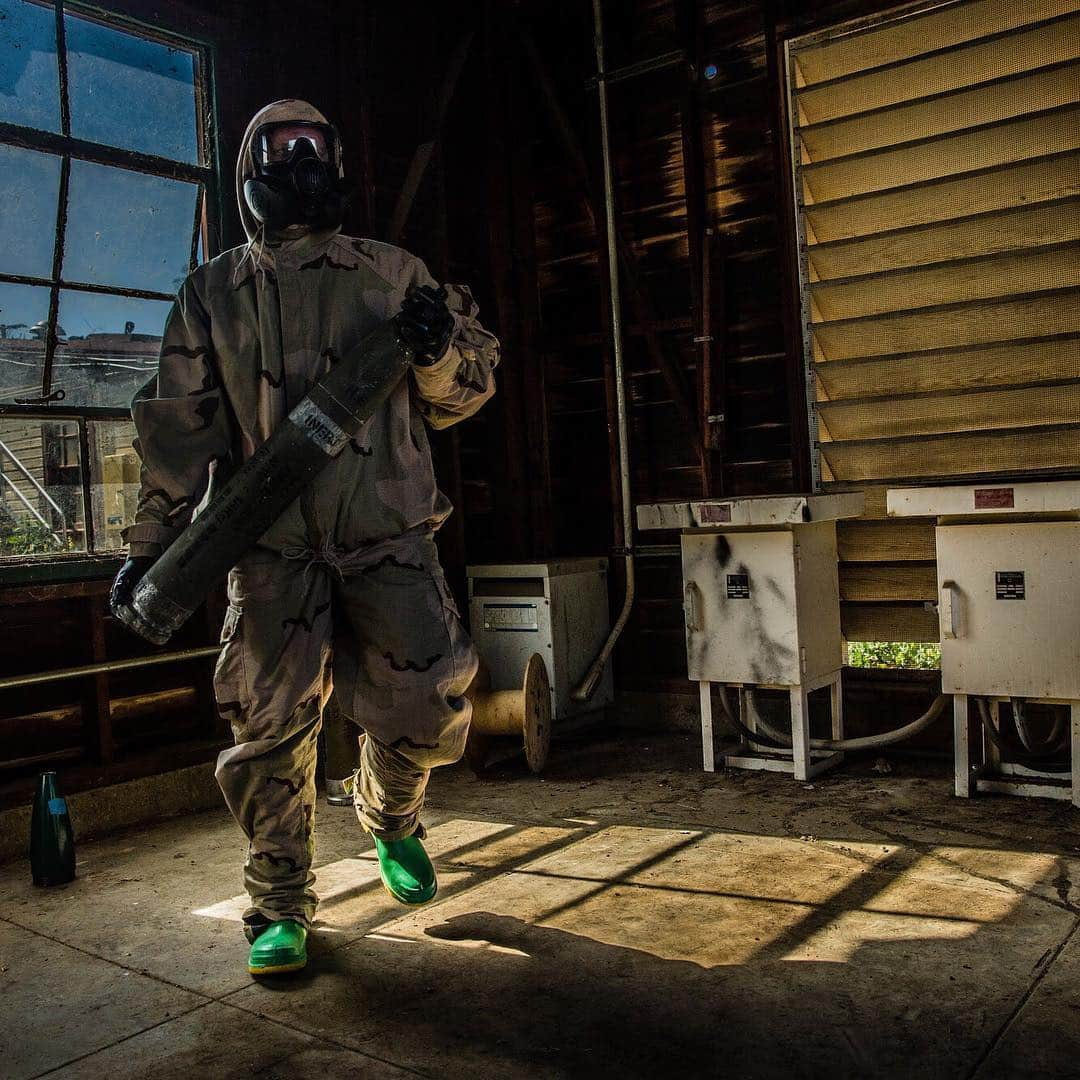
(52, 843)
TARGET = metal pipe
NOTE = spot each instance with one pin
(37, 487)
(108, 666)
(642, 67)
(596, 671)
(30, 506)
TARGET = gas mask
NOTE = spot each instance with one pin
(296, 179)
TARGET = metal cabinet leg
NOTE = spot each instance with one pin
(800, 733)
(707, 750)
(1074, 709)
(965, 785)
(991, 754)
(746, 715)
(836, 690)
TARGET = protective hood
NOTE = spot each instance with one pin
(284, 111)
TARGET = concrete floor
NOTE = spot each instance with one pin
(624, 916)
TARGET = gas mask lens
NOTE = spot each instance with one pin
(276, 143)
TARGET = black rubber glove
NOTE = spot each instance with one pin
(426, 323)
(131, 573)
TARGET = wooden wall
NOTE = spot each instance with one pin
(510, 204)
(705, 210)
(703, 201)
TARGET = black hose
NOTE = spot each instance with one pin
(1050, 744)
(763, 742)
(1020, 757)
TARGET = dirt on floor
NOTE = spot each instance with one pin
(623, 914)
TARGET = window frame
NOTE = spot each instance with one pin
(204, 172)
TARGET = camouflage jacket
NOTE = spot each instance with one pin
(245, 341)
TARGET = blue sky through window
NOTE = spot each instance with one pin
(29, 84)
(124, 228)
(127, 228)
(84, 313)
(30, 183)
(129, 92)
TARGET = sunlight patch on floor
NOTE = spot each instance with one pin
(716, 899)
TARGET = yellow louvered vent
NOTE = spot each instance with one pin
(936, 157)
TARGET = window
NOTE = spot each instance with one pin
(105, 171)
(936, 158)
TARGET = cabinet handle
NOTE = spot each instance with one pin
(692, 606)
(949, 610)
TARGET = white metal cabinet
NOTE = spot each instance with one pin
(1010, 609)
(762, 608)
(1008, 561)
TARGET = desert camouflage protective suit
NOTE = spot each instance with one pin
(250, 333)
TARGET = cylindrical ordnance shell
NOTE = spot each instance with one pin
(317, 430)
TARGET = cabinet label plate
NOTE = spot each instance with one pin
(738, 586)
(994, 498)
(714, 513)
(1009, 584)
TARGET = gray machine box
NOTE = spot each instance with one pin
(558, 609)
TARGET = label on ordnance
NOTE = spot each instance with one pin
(994, 498)
(318, 427)
(738, 586)
(1009, 584)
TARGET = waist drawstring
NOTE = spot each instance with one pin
(335, 559)
(326, 554)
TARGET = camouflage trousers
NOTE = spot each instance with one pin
(399, 661)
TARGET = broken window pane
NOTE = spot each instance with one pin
(127, 228)
(30, 182)
(130, 92)
(29, 84)
(114, 480)
(40, 488)
(110, 348)
(24, 313)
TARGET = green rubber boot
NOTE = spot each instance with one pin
(281, 947)
(406, 870)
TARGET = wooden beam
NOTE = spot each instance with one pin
(711, 416)
(638, 294)
(886, 541)
(888, 581)
(426, 150)
(519, 453)
(791, 308)
(96, 699)
(888, 622)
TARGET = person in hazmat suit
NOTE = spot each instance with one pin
(250, 333)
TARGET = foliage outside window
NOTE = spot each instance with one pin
(104, 164)
(910, 655)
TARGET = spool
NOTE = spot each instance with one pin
(524, 713)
